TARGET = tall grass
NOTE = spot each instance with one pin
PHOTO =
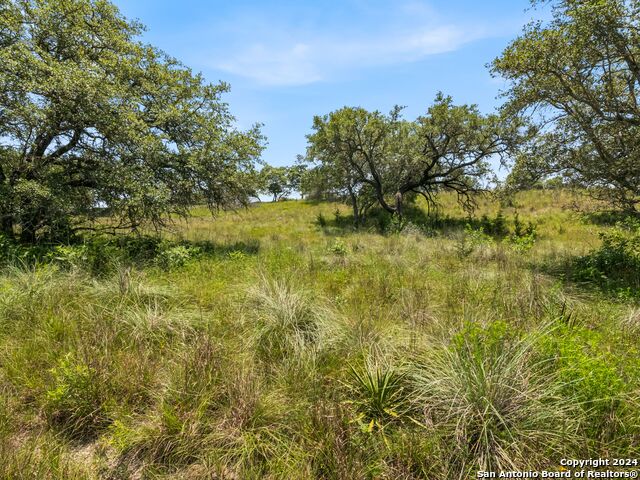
(265, 344)
(494, 406)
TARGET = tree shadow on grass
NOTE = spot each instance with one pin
(429, 223)
(588, 274)
(608, 218)
(101, 254)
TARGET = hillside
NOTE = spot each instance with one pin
(277, 342)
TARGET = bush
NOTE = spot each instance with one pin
(470, 240)
(7, 249)
(70, 256)
(591, 375)
(74, 402)
(524, 236)
(176, 256)
(496, 227)
(396, 224)
(617, 261)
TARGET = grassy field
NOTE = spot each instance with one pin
(277, 342)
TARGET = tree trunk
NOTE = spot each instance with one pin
(399, 204)
(354, 205)
(6, 226)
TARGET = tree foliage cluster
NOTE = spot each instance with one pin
(577, 77)
(280, 182)
(573, 83)
(101, 131)
(371, 158)
(94, 123)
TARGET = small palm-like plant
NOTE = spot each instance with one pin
(379, 400)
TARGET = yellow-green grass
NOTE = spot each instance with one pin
(309, 351)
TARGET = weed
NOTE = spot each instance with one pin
(338, 248)
(74, 402)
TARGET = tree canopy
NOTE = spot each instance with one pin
(577, 77)
(94, 123)
(381, 158)
(280, 182)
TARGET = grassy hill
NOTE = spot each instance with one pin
(277, 342)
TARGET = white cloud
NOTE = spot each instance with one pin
(292, 65)
(277, 50)
(309, 62)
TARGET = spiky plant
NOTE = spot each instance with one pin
(378, 395)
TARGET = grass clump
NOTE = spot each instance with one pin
(288, 322)
(489, 402)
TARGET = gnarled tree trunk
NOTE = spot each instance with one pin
(399, 199)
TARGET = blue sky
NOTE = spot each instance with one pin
(287, 61)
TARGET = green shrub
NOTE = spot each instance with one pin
(589, 373)
(524, 236)
(74, 401)
(176, 256)
(7, 249)
(470, 240)
(523, 243)
(496, 227)
(70, 256)
(396, 225)
(616, 263)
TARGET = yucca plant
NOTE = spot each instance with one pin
(378, 396)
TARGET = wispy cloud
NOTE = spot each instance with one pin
(275, 65)
(275, 51)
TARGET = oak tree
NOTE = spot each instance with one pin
(577, 76)
(386, 158)
(94, 123)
